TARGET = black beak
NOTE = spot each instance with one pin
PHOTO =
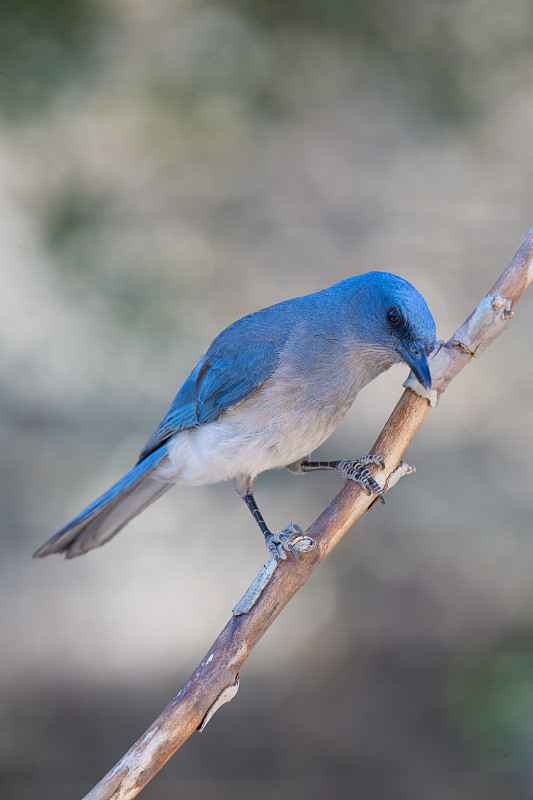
(415, 357)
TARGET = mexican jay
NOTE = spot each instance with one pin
(269, 390)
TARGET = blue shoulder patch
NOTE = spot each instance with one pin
(226, 381)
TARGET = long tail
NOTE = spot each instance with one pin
(109, 513)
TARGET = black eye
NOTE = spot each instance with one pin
(394, 316)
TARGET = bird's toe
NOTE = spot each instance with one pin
(357, 470)
(280, 544)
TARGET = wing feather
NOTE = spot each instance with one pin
(222, 379)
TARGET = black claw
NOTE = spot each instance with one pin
(273, 549)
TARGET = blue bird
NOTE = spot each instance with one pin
(269, 390)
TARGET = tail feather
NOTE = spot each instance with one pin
(107, 515)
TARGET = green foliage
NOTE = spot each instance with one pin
(490, 700)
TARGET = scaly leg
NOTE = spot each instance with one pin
(279, 544)
(353, 470)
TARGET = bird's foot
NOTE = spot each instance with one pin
(283, 542)
(356, 470)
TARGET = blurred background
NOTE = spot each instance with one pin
(166, 168)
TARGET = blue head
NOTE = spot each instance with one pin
(390, 315)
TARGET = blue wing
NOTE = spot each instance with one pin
(231, 378)
(238, 361)
(224, 377)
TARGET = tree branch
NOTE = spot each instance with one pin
(215, 680)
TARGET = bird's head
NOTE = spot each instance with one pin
(392, 316)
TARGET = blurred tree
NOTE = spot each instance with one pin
(44, 45)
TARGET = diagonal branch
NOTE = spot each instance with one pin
(215, 680)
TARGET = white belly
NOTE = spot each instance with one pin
(246, 440)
